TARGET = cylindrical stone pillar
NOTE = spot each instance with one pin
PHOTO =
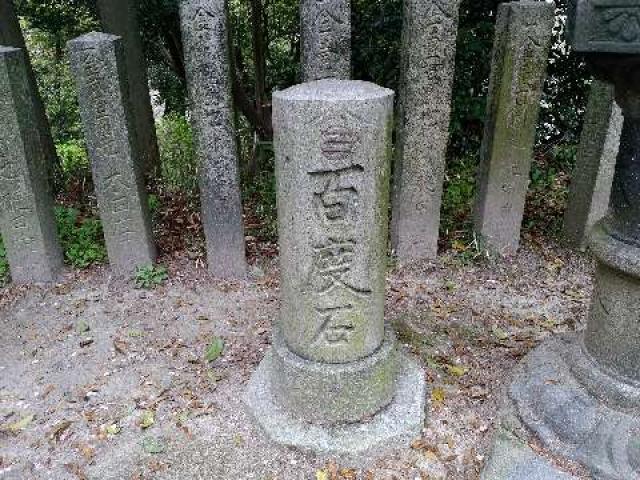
(332, 140)
(332, 144)
(333, 364)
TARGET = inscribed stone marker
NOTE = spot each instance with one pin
(428, 66)
(120, 17)
(520, 52)
(27, 220)
(595, 165)
(11, 36)
(326, 39)
(98, 64)
(332, 359)
(204, 34)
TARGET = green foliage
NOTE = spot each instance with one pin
(47, 27)
(4, 265)
(81, 238)
(74, 162)
(150, 276)
(178, 159)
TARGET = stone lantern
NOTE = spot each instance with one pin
(580, 393)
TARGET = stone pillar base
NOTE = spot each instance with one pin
(577, 410)
(325, 408)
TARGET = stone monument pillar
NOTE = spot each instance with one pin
(27, 221)
(428, 65)
(99, 67)
(326, 39)
(520, 55)
(120, 17)
(580, 394)
(334, 363)
(595, 163)
(11, 36)
(205, 38)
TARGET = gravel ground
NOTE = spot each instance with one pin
(100, 380)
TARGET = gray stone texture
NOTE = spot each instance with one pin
(99, 67)
(512, 459)
(595, 165)
(520, 52)
(332, 141)
(11, 36)
(120, 17)
(394, 427)
(205, 37)
(326, 39)
(604, 26)
(333, 364)
(580, 393)
(27, 221)
(428, 66)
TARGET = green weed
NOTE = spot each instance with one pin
(150, 276)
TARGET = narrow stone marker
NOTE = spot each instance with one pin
(98, 64)
(204, 34)
(120, 17)
(595, 165)
(520, 53)
(27, 221)
(333, 363)
(326, 39)
(11, 36)
(428, 66)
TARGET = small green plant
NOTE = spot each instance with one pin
(81, 238)
(150, 276)
(4, 265)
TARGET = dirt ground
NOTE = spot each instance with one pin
(99, 380)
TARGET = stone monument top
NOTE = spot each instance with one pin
(604, 26)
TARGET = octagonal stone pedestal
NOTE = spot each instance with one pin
(395, 425)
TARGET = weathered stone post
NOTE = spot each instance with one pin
(595, 164)
(428, 65)
(326, 39)
(520, 53)
(333, 361)
(204, 34)
(11, 36)
(27, 221)
(98, 64)
(120, 17)
(580, 394)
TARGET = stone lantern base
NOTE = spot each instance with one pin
(306, 415)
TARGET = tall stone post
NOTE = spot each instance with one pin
(428, 65)
(99, 67)
(333, 363)
(326, 39)
(120, 17)
(580, 393)
(595, 164)
(11, 36)
(205, 37)
(27, 221)
(520, 53)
